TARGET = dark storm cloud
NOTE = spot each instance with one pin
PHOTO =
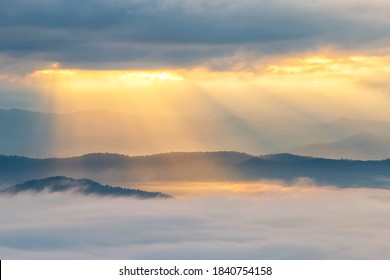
(171, 32)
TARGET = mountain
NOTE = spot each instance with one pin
(82, 186)
(339, 173)
(285, 157)
(116, 169)
(360, 146)
(121, 169)
(25, 133)
(344, 127)
(42, 135)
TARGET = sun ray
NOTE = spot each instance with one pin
(161, 103)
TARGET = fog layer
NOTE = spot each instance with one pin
(278, 223)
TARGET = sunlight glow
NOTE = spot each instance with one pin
(353, 66)
(152, 76)
(124, 75)
(299, 83)
(157, 108)
(55, 72)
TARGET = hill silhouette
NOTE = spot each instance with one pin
(198, 167)
(105, 167)
(337, 172)
(82, 186)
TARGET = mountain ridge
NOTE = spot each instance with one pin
(365, 146)
(199, 167)
(46, 135)
(82, 186)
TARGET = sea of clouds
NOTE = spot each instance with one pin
(283, 223)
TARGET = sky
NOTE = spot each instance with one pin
(312, 59)
(277, 222)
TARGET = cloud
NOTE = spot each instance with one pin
(324, 223)
(166, 33)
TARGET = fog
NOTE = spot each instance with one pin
(273, 222)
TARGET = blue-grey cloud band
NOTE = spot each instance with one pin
(94, 34)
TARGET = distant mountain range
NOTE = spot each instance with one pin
(359, 146)
(119, 169)
(81, 186)
(42, 135)
(198, 167)
(339, 173)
